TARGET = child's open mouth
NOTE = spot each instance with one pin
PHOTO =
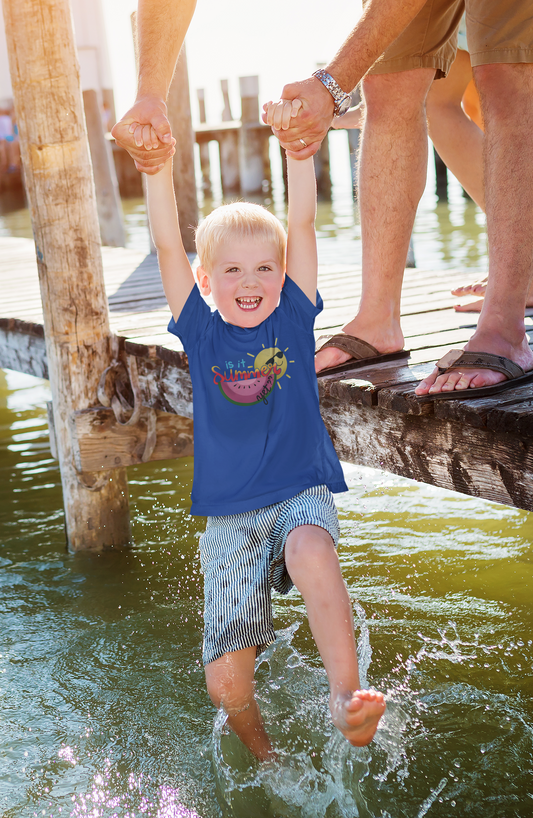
(249, 303)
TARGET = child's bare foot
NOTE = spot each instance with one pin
(357, 715)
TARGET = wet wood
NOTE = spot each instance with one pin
(102, 443)
(57, 170)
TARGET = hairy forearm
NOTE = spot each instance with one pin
(381, 23)
(302, 192)
(161, 29)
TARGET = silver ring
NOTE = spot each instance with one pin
(304, 143)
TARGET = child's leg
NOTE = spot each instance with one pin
(313, 566)
(230, 682)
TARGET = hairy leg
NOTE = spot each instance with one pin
(392, 176)
(230, 683)
(506, 93)
(313, 565)
(458, 140)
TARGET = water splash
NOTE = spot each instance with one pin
(319, 773)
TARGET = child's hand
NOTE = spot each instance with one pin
(279, 114)
(144, 136)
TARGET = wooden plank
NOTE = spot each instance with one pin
(500, 407)
(102, 443)
(22, 348)
(443, 453)
(365, 384)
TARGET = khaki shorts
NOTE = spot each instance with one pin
(498, 31)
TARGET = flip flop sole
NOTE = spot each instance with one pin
(352, 364)
(481, 392)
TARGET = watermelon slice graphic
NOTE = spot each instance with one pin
(250, 392)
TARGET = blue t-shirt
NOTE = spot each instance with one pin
(258, 434)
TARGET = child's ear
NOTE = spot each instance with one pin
(203, 281)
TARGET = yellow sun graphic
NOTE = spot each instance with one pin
(270, 356)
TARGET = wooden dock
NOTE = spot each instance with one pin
(482, 447)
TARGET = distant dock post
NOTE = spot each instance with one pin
(251, 147)
(60, 188)
(108, 204)
(179, 116)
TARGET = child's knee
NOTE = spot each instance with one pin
(228, 686)
(310, 543)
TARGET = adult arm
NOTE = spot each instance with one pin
(381, 23)
(161, 29)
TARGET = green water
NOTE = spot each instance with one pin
(103, 710)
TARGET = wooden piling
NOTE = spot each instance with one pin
(322, 171)
(229, 149)
(179, 116)
(251, 141)
(108, 202)
(441, 178)
(57, 169)
(205, 162)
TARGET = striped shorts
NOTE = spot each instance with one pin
(243, 558)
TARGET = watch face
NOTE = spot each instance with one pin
(345, 104)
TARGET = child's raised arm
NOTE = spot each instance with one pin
(302, 261)
(176, 273)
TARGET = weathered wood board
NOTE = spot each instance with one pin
(102, 443)
(480, 447)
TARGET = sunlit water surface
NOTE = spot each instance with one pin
(103, 707)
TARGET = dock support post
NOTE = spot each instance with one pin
(57, 169)
(229, 149)
(251, 143)
(108, 202)
(441, 178)
(322, 171)
(179, 116)
(205, 162)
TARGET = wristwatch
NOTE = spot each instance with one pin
(342, 100)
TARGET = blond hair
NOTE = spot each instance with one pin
(239, 220)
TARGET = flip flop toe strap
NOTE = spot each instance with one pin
(456, 359)
(355, 347)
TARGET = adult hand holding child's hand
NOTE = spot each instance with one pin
(144, 131)
(307, 126)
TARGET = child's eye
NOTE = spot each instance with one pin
(232, 270)
(264, 268)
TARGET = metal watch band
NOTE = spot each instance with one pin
(341, 99)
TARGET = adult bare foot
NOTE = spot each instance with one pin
(357, 715)
(472, 287)
(479, 288)
(471, 378)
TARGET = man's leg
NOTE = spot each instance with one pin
(230, 683)
(392, 177)
(458, 140)
(313, 566)
(506, 93)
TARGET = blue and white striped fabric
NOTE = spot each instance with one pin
(242, 557)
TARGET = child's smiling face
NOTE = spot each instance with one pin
(246, 281)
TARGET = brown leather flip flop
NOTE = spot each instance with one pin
(363, 354)
(458, 358)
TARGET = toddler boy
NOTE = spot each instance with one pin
(265, 467)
